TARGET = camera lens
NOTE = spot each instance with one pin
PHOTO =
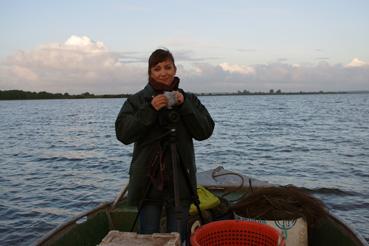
(173, 116)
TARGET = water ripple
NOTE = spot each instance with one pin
(60, 157)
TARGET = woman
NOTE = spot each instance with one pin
(147, 119)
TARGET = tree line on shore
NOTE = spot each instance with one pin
(28, 95)
(24, 95)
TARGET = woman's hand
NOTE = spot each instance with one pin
(179, 97)
(159, 102)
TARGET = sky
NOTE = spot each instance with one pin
(102, 47)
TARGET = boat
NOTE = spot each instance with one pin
(91, 227)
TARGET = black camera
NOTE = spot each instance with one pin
(168, 117)
(173, 116)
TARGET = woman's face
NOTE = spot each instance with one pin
(163, 72)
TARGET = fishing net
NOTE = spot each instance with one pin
(280, 203)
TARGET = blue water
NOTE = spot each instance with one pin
(60, 157)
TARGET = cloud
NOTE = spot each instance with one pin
(235, 68)
(246, 50)
(24, 73)
(357, 63)
(81, 64)
(322, 58)
(77, 65)
(287, 77)
(84, 43)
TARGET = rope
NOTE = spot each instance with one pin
(239, 188)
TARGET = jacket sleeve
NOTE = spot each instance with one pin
(133, 121)
(196, 118)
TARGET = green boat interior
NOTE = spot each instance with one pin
(236, 195)
(91, 227)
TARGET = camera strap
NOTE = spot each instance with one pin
(158, 170)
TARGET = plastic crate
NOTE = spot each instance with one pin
(115, 238)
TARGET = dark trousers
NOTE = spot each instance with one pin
(151, 213)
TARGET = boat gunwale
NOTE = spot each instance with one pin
(348, 228)
(108, 206)
(70, 222)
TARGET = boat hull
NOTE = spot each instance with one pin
(90, 228)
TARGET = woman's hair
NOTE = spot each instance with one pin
(158, 56)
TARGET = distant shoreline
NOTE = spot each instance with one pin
(280, 93)
(28, 95)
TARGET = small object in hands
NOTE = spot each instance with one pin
(171, 96)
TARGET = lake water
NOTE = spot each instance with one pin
(59, 158)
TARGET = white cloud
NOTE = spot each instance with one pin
(77, 65)
(287, 77)
(357, 63)
(235, 68)
(84, 43)
(24, 73)
(81, 64)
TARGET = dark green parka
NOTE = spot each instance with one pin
(139, 123)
